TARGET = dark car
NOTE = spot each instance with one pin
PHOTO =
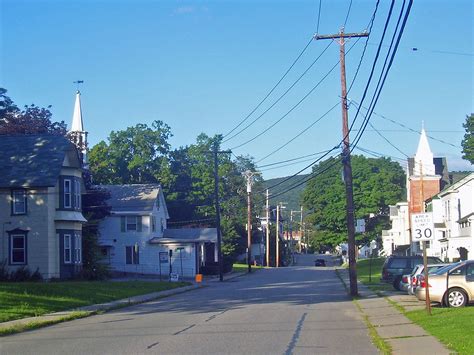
(396, 266)
(320, 262)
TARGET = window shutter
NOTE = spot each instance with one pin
(128, 255)
(137, 256)
(139, 223)
(122, 223)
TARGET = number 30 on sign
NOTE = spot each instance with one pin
(422, 226)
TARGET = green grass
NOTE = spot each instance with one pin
(28, 299)
(453, 327)
(371, 277)
(238, 267)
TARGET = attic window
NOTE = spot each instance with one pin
(19, 202)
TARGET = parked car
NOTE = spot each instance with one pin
(320, 262)
(396, 266)
(451, 285)
(413, 279)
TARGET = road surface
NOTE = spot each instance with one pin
(293, 310)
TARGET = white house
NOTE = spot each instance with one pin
(135, 238)
(397, 238)
(453, 214)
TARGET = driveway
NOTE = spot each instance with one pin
(294, 310)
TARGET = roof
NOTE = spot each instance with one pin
(187, 235)
(32, 160)
(77, 125)
(139, 197)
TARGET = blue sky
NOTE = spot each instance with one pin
(202, 66)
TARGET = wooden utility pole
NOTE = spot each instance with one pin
(425, 252)
(301, 226)
(249, 176)
(277, 259)
(218, 210)
(346, 155)
(267, 230)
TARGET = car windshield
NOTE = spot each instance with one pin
(445, 269)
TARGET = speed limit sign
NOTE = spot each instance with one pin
(422, 226)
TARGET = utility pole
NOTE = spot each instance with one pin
(218, 210)
(346, 155)
(291, 237)
(425, 252)
(277, 255)
(301, 226)
(249, 176)
(267, 232)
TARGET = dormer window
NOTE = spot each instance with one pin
(19, 202)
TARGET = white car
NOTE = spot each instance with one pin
(414, 277)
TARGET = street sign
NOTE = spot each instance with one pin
(422, 226)
(174, 277)
(163, 257)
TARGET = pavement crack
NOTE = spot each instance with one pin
(117, 320)
(183, 330)
(215, 316)
(152, 345)
(296, 335)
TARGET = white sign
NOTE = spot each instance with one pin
(174, 277)
(422, 226)
(360, 226)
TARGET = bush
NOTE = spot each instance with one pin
(20, 274)
(36, 276)
(4, 274)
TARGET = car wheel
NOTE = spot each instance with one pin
(456, 298)
(396, 283)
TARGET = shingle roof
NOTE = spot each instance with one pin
(140, 197)
(441, 168)
(32, 160)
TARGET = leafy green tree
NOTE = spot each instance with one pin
(377, 184)
(468, 140)
(136, 155)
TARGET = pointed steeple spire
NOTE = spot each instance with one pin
(424, 157)
(77, 132)
(77, 125)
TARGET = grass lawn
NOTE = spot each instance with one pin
(27, 299)
(454, 327)
(364, 271)
(243, 267)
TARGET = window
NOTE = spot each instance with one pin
(77, 194)
(458, 271)
(19, 202)
(132, 255)
(131, 223)
(67, 248)
(162, 225)
(153, 223)
(77, 249)
(18, 249)
(67, 193)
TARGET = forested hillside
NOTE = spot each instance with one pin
(292, 198)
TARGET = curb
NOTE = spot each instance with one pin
(24, 324)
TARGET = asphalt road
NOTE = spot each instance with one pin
(293, 310)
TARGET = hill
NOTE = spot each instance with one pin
(292, 198)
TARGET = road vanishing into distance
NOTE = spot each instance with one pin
(292, 310)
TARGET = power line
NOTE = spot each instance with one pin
(299, 134)
(377, 94)
(280, 97)
(272, 89)
(348, 12)
(319, 17)
(380, 155)
(296, 105)
(293, 159)
(388, 141)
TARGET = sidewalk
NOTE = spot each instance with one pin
(392, 326)
(35, 322)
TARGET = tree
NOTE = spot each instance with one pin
(468, 140)
(137, 155)
(31, 120)
(377, 184)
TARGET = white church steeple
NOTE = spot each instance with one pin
(77, 129)
(424, 157)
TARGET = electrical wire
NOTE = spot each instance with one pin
(280, 97)
(348, 12)
(296, 105)
(299, 134)
(319, 17)
(377, 94)
(293, 159)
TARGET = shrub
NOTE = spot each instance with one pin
(20, 274)
(4, 274)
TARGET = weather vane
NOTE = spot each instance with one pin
(78, 82)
